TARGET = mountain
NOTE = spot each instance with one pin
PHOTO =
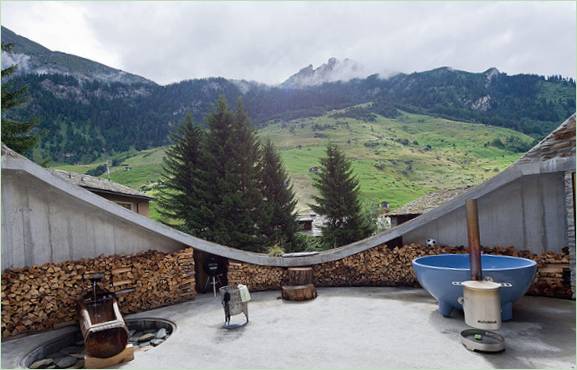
(33, 58)
(86, 110)
(332, 71)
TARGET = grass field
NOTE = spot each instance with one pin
(396, 160)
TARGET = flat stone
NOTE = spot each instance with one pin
(66, 362)
(145, 337)
(146, 348)
(143, 344)
(131, 332)
(161, 333)
(77, 355)
(41, 364)
(156, 342)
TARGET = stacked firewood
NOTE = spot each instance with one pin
(255, 277)
(43, 297)
(384, 266)
(553, 276)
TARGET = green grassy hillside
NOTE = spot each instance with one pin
(399, 159)
(396, 160)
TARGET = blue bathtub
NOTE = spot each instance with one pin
(436, 274)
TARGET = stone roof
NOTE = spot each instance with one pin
(558, 144)
(428, 202)
(98, 184)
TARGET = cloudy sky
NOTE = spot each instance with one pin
(171, 41)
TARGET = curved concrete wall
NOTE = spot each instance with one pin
(45, 219)
(42, 224)
(528, 213)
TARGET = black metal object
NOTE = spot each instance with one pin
(97, 295)
(214, 265)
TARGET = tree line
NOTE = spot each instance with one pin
(80, 121)
(221, 184)
(15, 133)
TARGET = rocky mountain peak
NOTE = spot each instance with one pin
(331, 71)
(491, 73)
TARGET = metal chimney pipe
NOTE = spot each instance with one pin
(474, 239)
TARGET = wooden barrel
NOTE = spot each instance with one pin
(299, 285)
(103, 328)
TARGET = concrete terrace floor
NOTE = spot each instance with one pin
(344, 328)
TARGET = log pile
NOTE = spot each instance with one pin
(255, 277)
(383, 266)
(553, 276)
(44, 296)
(299, 285)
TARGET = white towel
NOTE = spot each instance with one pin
(244, 293)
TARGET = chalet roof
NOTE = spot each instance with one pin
(558, 144)
(99, 184)
(428, 202)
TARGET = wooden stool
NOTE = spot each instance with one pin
(299, 285)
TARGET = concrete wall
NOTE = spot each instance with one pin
(528, 213)
(43, 224)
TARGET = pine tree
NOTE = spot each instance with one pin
(338, 200)
(279, 223)
(15, 134)
(182, 196)
(233, 169)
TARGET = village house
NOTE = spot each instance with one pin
(120, 194)
(423, 204)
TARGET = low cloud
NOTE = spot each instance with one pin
(269, 41)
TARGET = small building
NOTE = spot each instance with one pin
(311, 224)
(129, 198)
(423, 204)
(305, 222)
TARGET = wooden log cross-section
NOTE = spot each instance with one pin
(299, 285)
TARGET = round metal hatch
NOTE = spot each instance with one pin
(482, 340)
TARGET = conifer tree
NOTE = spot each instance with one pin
(233, 171)
(279, 223)
(182, 196)
(338, 200)
(15, 134)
